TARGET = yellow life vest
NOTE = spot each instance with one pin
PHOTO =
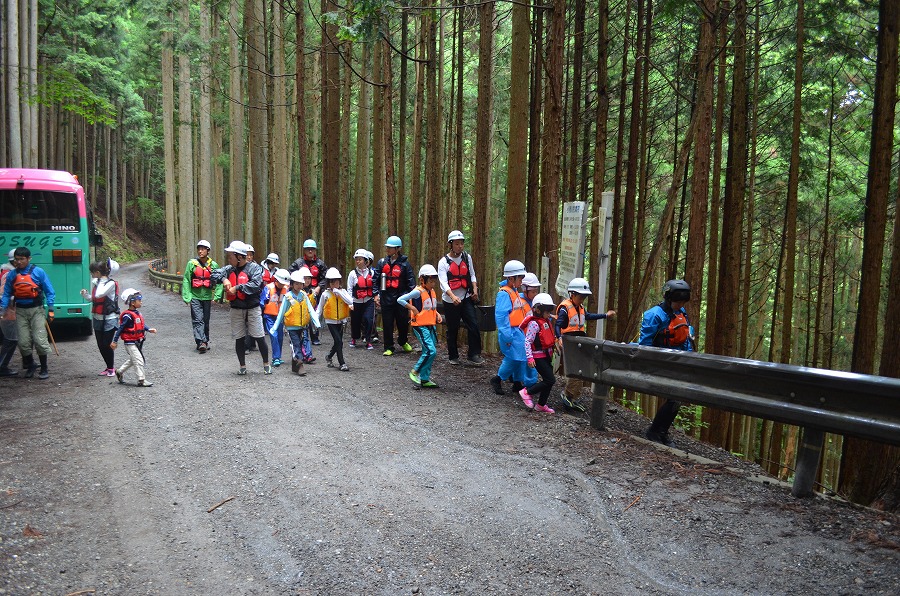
(297, 314)
(335, 309)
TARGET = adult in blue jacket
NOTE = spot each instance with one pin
(31, 289)
(666, 325)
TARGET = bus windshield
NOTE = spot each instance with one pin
(38, 211)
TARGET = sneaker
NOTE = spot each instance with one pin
(241, 371)
(352, 343)
(375, 340)
(454, 361)
(316, 342)
(9, 372)
(202, 348)
(267, 369)
(414, 377)
(309, 360)
(370, 347)
(388, 353)
(247, 351)
(119, 376)
(330, 362)
(496, 385)
(344, 368)
(570, 402)
(544, 409)
(407, 348)
(476, 359)
(145, 383)
(277, 362)
(429, 384)
(110, 372)
(43, 374)
(103, 373)
(526, 399)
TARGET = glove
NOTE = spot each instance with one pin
(50, 315)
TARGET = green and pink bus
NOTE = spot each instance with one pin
(45, 210)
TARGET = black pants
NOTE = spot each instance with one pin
(465, 314)
(665, 416)
(240, 348)
(337, 334)
(104, 338)
(362, 320)
(541, 389)
(392, 313)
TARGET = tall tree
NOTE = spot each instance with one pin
(236, 174)
(14, 111)
(551, 151)
(257, 212)
(168, 122)
(517, 160)
(187, 220)
(208, 215)
(485, 109)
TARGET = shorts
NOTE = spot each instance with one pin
(246, 322)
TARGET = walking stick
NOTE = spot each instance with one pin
(50, 333)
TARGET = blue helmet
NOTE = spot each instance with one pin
(394, 242)
(310, 243)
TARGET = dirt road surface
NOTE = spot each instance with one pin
(357, 483)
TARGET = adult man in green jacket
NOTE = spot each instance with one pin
(198, 292)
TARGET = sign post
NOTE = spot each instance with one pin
(600, 391)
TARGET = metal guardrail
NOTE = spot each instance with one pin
(817, 400)
(161, 278)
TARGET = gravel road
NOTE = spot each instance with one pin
(357, 483)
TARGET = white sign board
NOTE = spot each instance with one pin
(545, 272)
(571, 245)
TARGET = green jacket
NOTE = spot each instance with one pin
(189, 292)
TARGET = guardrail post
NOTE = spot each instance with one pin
(808, 462)
(598, 406)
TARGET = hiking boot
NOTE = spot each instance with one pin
(29, 366)
(407, 348)
(9, 372)
(414, 377)
(662, 438)
(476, 359)
(497, 385)
(344, 368)
(267, 369)
(544, 409)
(388, 353)
(429, 384)
(454, 361)
(517, 386)
(145, 383)
(295, 365)
(526, 399)
(43, 373)
(119, 377)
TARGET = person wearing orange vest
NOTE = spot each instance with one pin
(30, 287)
(540, 340)
(666, 326)
(393, 278)
(242, 281)
(104, 297)
(459, 292)
(361, 282)
(421, 302)
(571, 318)
(132, 329)
(270, 301)
(509, 311)
(198, 292)
(335, 305)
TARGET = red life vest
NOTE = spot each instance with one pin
(24, 286)
(363, 287)
(392, 275)
(134, 333)
(267, 277)
(313, 267)
(458, 274)
(200, 277)
(104, 305)
(237, 279)
(675, 334)
(545, 339)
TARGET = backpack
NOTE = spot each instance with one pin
(24, 286)
(676, 333)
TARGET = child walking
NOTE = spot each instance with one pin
(539, 341)
(335, 304)
(359, 282)
(270, 300)
(104, 297)
(131, 329)
(509, 312)
(297, 314)
(421, 302)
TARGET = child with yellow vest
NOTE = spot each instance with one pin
(335, 304)
(571, 317)
(297, 313)
(509, 311)
(270, 301)
(422, 303)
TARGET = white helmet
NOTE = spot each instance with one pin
(12, 255)
(237, 247)
(580, 286)
(332, 273)
(250, 248)
(513, 268)
(204, 243)
(361, 253)
(127, 294)
(427, 271)
(455, 235)
(542, 299)
(305, 272)
(113, 266)
(531, 280)
(273, 258)
(298, 275)
(282, 276)
(371, 256)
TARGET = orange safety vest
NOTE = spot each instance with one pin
(426, 304)
(273, 304)
(520, 308)
(576, 316)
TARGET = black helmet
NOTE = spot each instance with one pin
(677, 290)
